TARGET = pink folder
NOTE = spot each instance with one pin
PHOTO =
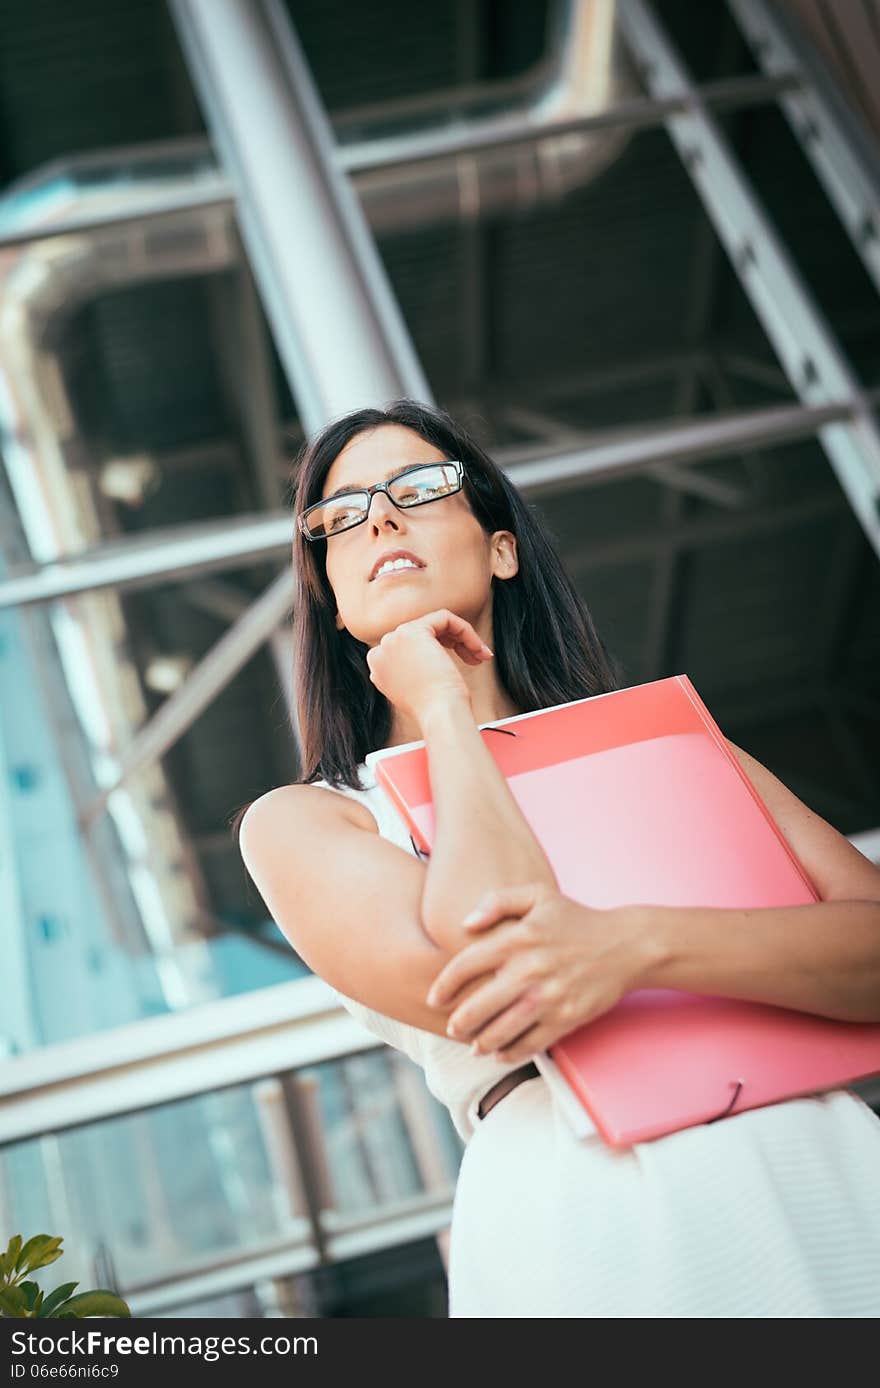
(636, 797)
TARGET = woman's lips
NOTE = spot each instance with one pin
(395, 573)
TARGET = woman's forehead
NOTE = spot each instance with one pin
(372, 455)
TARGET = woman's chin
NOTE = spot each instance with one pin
(406, 607)
(406, 598)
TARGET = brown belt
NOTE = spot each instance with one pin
(504, 1086)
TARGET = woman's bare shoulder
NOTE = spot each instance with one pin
(305, 800)
(348, 903)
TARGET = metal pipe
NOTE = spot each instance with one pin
(405, 203)
(223, 546)
(336, 323)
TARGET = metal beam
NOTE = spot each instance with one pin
(811, 357)
(200, 688)
(157, 1061)
(686, 443)
(413, 148)
(640, 113)
(209, 676)
(336, 322)
(387, 1226)
(553, 434)
(620, 452)
(181, 552)
(843, 156)
(689, 535)
(153, 558)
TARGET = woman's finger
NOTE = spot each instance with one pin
(482, 957)
(523, 1047)
(459, 632)
(468, 656)
(507, 1029)
(498, 902)
(454, 633)
(465, 650)
(492, 1010)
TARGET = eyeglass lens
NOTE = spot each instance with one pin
(427, 482)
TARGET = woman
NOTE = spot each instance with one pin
(772, 1212)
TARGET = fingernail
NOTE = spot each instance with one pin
(475, 1048)
(486, 649)
(472, 918)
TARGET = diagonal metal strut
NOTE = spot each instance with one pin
(805, 345)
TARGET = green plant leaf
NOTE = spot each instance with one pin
(32, 1296)
(12, 1302)
(8, 1259)
(32, 1247)
(38, 1252)
(99, 1302)
(54, 1299)
(45, 1259)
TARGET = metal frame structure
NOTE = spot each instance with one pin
(844, 423)
(217, 546)
(223, 546)
(835, 144)
(812, 359)
(270, 1035)
(162, 1059)
(332, 292)
(335, 275)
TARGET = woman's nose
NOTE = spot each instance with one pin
(380, 508)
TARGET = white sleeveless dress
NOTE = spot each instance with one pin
(772, 1213)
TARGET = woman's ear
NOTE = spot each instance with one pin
(506, 561)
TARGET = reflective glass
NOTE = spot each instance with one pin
(426, 482)
(182, 1199)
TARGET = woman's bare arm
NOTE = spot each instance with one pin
(482, 840)
(348, 900)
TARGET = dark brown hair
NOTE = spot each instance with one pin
(547, 650)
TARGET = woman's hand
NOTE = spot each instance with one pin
(415, 665)
(557, 964)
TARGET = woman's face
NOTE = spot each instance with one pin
(459, 559)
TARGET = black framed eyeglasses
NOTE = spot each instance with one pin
(418, 485)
